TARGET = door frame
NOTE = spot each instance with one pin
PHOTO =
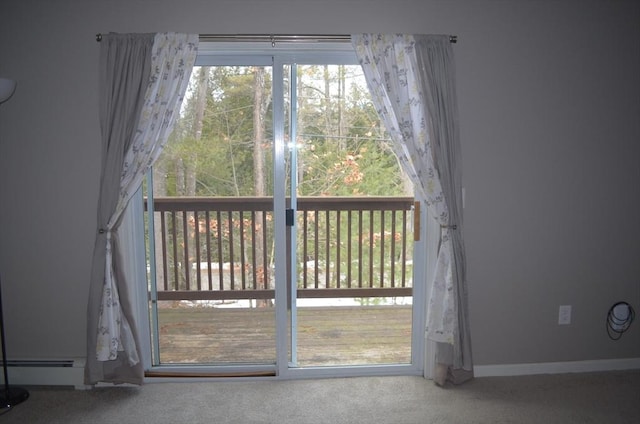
(247, 54)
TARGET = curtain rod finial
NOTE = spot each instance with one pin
(98, 37)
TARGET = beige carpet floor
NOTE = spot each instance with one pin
(599, 398)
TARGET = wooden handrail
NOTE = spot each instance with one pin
(305, 203)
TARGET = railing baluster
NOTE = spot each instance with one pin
(165, 262)
(176, 285)
(327, 253)
(254, 269)
(317, 247)
(393, 248)
(185, 240)
(242, 258)
(231, 261)
(360, 243)
(382, 242)
(196, 226)
(349, 214)
(208, 234)
(220, 252)
(305, 247)
(404, 248)
(266, 269)
(371, 244)
(338, 249)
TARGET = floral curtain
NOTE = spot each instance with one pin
(411, 79)
(142, 82)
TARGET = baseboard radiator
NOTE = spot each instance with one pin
(60, 372)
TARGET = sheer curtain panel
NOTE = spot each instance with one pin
(143, 78)
(411, 79)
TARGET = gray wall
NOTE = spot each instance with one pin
(549, 95)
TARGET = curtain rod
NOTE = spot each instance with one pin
(281, 38)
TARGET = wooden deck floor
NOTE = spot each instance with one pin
(354, 335)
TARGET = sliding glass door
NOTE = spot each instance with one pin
(280, 228)
(211, 235)
(348, 232)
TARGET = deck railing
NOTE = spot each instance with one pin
(222, 248)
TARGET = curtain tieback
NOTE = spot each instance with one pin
(450, 227)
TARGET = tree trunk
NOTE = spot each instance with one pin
(258, 132)
(180, 186)
(191, 166)
(201, 101)
(258, 176)
(327, 99)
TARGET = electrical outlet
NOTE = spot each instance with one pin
(564, 315)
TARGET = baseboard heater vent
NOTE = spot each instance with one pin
(57, 372)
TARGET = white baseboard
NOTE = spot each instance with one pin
(66, 372)
(71, 372)
(556, 367)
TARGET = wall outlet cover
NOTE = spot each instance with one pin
(564, 315)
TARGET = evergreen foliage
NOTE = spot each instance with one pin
(342, 148)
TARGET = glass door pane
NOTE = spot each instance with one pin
(354, 242)
(212, 297)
